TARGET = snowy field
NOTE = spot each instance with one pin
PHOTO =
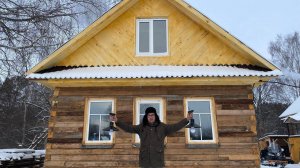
(288, 166)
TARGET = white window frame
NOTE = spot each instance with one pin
(213, 121)
(86, 140)
(136, 116)
(151, 50)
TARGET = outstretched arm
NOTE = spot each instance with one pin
(171, 128)
(128, 128)
(124, 126)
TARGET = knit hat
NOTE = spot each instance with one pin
(150, 110)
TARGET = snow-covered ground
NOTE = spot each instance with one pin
(17, 154)
(287, 166)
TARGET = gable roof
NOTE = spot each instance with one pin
(123, 6)
(293, 109)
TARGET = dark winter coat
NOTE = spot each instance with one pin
(152, 140)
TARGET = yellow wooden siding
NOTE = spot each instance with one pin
(189, 43)
(52, 83)
(295, 148)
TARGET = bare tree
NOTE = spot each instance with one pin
(273, 97)
(285, 53)
(30, 30)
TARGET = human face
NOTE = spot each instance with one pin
(151, 118)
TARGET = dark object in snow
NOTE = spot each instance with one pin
(274, 156)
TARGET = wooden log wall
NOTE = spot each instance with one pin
(236, 124)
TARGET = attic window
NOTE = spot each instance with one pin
(152, 37)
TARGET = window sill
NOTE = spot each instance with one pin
(100, 146)
(152, 55)
(138, 145)
(202, 146)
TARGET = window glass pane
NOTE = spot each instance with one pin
(144, 37)
(206, 127)
(197, 134)
(199, 106)
(159, 36)
(104, 135)
(94, 128)
(101, 107)
(202, 117)
(144, 106)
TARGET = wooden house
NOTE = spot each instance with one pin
(160, 53)
(291, 116)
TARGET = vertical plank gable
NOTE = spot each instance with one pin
(189, 42)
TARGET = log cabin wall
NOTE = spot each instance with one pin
(235, 115)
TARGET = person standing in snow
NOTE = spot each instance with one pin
(152, 133)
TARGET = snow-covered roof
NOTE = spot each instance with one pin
(152, 71)
(273, 136)
(18, 154)
(295, 117)
(294, 108)
(16, 150)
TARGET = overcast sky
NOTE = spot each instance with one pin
(254, 22)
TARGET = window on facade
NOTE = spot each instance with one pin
(204, 117)
(152, 37)
(142, 104)
(97, 118)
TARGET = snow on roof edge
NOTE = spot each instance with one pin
(294, 108)
(152, 71)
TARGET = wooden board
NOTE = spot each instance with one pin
(295, 148)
